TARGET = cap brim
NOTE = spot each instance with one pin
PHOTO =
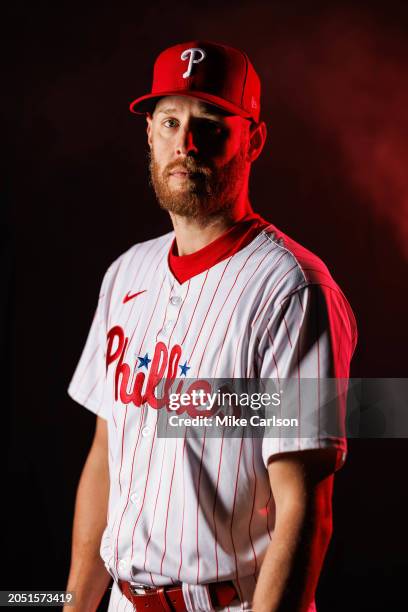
(146, 104)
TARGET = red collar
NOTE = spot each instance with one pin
(233, 240)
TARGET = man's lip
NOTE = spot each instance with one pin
(183, 172)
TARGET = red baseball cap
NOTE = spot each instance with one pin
(211, 72)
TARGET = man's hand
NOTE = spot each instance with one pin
(88, 577)
(302, 484)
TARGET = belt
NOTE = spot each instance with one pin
(170, 598)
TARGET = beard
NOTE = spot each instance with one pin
(209, 192)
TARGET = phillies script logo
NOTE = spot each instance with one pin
(163, 365)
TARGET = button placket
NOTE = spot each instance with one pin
(172, 309)
(165, 330)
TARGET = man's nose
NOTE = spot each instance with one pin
(186, 142)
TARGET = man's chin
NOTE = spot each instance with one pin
(187, 209)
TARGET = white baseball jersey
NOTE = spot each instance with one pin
(194, 509)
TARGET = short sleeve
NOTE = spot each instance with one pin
(306, 347)
(87, 386)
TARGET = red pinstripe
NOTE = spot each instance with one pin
(140, 315)
(164, 318)
(167, 512)
(253, 505)
(179, 313)
(237, 352)
(147, 479)
(233, 310)
(184, 503)
(130, 485)
(215, 502)
(297, 367)
(150, 320)
(91, 391)
(149, 266)
(299, 389)
(130, 310)
(292, 292)
(273, 355)
(209, 307)
(270, 296)
(251, 370)
(135, 254)
(113, 416)
(198, 505)
(97, 349)
(225, 301)
(122, 445)
(319, 271)
(300, 301)
(195, 307)
(144, 255)
(155, 504)
(232, 520)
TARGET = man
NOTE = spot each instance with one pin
(193, 522)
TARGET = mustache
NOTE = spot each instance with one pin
(189, 165)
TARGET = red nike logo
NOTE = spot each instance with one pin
(130, 296)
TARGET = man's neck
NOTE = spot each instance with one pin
(194, 234)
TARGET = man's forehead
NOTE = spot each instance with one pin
(174, 104)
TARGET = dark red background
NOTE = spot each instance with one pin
(333, 175)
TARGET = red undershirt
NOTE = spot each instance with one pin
(233, 240)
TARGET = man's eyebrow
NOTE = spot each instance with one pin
(167, 111)
(204, 113)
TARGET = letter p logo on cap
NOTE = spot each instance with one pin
(191, 54)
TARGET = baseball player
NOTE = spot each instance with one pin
(194, 522)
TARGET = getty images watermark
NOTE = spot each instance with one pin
(285, 408)
(202, 401)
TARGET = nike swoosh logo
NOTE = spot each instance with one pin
(130, 296)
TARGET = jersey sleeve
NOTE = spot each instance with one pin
(88, 383)
(306, 348)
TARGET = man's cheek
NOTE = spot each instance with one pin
(233, 147)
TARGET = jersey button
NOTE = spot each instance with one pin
(134, 498)
(175, 300)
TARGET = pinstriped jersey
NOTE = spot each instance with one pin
(192, 509)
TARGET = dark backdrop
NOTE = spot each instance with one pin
(76, 195)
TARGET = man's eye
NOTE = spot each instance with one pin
(170, 123)
(215, 128)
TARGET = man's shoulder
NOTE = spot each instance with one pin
(146, 252)
(292, 268)
(293, 265)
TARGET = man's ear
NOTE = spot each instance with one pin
(257, 137)
(149, 120)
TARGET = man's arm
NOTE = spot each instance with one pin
(302, 484)
(88, 577)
